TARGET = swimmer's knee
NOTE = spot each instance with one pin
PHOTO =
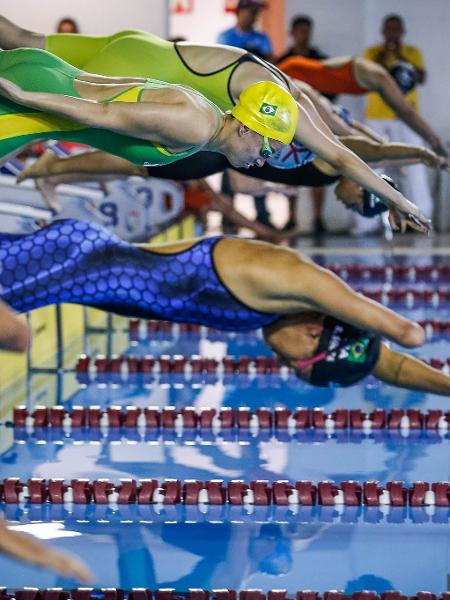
(368, 73)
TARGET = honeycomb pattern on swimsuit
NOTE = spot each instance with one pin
(82, 263)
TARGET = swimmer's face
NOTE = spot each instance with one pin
(296, 337)
(245, 149)
(301, 34)
(350, 194)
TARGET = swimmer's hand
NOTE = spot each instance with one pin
(27, 548)
(432, 160)
(66, 565)
(410, 216)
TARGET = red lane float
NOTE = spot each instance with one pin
(278, 419)
(144, 329)
(126, 366)
(235, 492)
(202, 594)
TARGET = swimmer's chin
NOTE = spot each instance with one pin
(240, 164)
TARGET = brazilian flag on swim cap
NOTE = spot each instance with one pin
(268, 109)
(358, 350)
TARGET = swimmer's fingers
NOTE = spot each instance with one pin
(432, 160)
(393, 220)
(445, 164)
(68, 566)
(400, 221)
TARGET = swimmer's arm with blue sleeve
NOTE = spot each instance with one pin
(167, 122)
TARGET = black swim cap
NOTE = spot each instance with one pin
(346, 354)
(405, 75)
(372, 204)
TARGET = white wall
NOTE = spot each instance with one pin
(204, 24)
(93, 16)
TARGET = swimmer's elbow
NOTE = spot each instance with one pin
(411, 335)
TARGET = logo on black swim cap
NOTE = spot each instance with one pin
(349, 354)
(268, 109)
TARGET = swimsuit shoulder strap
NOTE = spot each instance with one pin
(249, 57)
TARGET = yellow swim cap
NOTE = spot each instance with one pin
(268, 109)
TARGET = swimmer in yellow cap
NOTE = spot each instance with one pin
(146, 121)
(221, 74)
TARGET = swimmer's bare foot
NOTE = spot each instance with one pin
(42, 167)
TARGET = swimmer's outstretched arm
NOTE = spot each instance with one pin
(373, 76)
(366, 131)
(323, 106)
(405, 371)
(280, 280)
(333, 296)
(313, 133)
(168, 122)
(28, 549)
(374, 152)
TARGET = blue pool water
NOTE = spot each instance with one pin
(348, 548)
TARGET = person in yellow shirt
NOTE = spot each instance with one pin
(406, 65)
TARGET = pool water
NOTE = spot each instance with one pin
(296, 547)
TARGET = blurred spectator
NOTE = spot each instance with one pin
(67, 25)
(401, 60)
(244, 35)
(302, 28)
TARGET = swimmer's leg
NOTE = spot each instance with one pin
(374, 77)
(13, 36)
(80, 167)
(75, 48)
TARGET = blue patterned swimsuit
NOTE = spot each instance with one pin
(82, 263)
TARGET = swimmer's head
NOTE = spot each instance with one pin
(360, 200)
(268, 109)
(324, 350)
